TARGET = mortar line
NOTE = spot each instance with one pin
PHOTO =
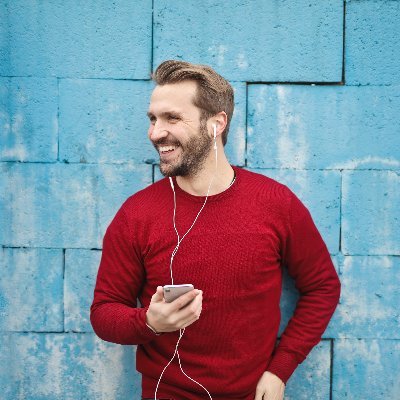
(95, 78)
(344, 44)
(4, 246)
(298, 83)
(152, 38)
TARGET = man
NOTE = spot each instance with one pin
(232, 246)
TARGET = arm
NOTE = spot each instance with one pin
(309, 264)
(114, 314)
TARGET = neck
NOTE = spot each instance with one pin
(197, 185)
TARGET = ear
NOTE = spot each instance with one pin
(220, 120)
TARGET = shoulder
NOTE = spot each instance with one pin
(148, 200)
(253, 176)
(262, 184)
(269, 192)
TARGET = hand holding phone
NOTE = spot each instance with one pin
(181, 306)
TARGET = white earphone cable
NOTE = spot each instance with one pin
(182, 331)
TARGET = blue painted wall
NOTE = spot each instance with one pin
(317, 86)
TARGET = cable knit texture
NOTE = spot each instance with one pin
(235, 254)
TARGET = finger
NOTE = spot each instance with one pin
(183, 300)
(190, 319)
(190, 313)
(158, 296)
(259, 395)
(197, 301)
(191, 308)
(274, 395)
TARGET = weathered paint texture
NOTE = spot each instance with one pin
(317, 105)
(254, 40)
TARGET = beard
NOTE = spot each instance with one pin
(193, 154)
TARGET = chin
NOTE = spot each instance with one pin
(167, 170)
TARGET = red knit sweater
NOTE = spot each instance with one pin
(235, 254)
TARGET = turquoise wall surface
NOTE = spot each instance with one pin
(317, 91)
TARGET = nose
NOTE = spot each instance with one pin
(157, 131)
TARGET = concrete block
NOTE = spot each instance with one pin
(31, 290)
(63, 205)
(366, 369)
(323, 127)
(370, 298)
(372, 52)
(115, 184)
(311, 379)
(93, 40)
(253, 41)
(5, 44)
(67, 367)
(371, 212)
(28, 119)
(80, 277)
(6, 359)
(320, 193)
(105, 121)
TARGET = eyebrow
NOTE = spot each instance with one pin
(165, 114)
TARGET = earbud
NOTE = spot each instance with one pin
(215, 136)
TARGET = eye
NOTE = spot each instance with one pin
(173, 118)
(152, 119)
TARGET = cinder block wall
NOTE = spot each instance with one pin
(317, 108)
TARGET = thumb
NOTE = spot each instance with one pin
(158, 296)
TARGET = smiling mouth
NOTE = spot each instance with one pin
(164, 150)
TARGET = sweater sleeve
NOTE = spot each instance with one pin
(309, 264)
(114, 314)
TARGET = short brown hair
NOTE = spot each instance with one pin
(214, 93)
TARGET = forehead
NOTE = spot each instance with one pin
(173, 96)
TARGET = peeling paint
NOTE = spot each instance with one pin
(360, 162)
(219, 51)
(292, 142)
(297, 131)
(242, 61)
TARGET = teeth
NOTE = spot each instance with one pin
(166, 148)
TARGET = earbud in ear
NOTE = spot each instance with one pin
(215, 136)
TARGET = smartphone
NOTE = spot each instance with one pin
(172, 292)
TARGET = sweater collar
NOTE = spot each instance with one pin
(226, 193)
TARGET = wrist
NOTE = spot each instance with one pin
(282, 365)
(153, 330)
(151, 326)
